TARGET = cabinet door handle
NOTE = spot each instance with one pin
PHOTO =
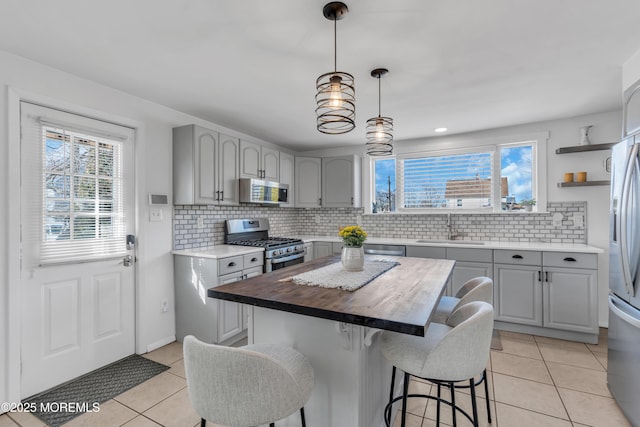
(320, 201)
(222, 195)
(231, 264)
(517, 257)
(539, 276)
(217, 196)
(352, 201)
(570, 259)
(546, 276)
(254, 259)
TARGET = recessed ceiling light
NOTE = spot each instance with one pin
(439, 130)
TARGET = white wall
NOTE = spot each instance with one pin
(154, 125)
(631, 71)
(565, 132)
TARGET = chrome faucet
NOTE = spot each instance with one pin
(450, 234)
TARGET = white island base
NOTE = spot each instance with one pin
(351, 377)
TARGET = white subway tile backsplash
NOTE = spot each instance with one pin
(516, 227)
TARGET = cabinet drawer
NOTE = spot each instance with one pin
(517, 257)
(570, 259)
(467, 254)
(434, 252)
(230, 265)
(253, 260)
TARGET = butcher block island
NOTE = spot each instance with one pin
(336, 330)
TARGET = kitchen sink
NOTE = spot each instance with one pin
(455, 242)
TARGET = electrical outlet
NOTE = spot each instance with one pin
(165, 306)
(557, 219)
(359, 220)
(578, 221)
(318, 219)
(200, 223)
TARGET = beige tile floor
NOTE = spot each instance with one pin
(534, 382)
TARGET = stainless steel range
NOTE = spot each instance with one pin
(279, 252)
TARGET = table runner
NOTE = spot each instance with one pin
(336, 277)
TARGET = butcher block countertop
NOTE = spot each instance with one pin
(402, 300)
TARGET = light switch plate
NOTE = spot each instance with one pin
(155, 215)
(578, 221)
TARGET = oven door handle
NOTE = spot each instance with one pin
(287, 258)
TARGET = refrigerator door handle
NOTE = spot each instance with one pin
(627, 317)
(624, 217)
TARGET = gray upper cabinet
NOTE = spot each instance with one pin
(341, 182)
(287, 176)
(205, 167)
(257, 161)
(308, 171)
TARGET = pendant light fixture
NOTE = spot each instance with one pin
(336, 97)
(379, 129)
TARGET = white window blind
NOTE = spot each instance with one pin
(81, 210)
(450, 181)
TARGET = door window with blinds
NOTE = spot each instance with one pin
(495, 178)
(80, 208)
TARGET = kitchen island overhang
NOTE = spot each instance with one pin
(336, 330)
(401, 300)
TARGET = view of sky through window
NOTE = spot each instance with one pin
(429, 182)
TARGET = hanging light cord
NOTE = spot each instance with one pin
(379, 96)
(335, 44)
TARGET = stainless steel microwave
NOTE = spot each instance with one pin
(264, 192)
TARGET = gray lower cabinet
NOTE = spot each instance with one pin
(470, 263)
(571, 299)
(321, 249)
(208, 319)
(543, 289)
(517, 294)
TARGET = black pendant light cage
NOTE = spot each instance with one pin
(379, 129)
(336, 94)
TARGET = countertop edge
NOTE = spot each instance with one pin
(489, 244)
(217, 252)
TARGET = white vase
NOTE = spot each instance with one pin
(353, 258)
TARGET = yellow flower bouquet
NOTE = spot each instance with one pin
(353, 236)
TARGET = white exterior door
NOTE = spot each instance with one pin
(77, 270)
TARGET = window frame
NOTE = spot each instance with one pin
(455, 145)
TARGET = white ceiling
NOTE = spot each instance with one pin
(251, 65)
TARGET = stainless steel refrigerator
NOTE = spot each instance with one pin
(623, 375)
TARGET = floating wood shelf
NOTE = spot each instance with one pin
(582, 148)
(583, 184)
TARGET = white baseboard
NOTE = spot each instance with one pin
(160, 343)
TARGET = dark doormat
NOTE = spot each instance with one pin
(496, 344)
(84, 394)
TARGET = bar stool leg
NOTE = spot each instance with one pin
(304, 423)
(387, 419)
(405, 391)
(438, 406)
(453, 403)
(486, 393)
(474, 405)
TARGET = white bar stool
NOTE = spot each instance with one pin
(246, 386)
(448, 353)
